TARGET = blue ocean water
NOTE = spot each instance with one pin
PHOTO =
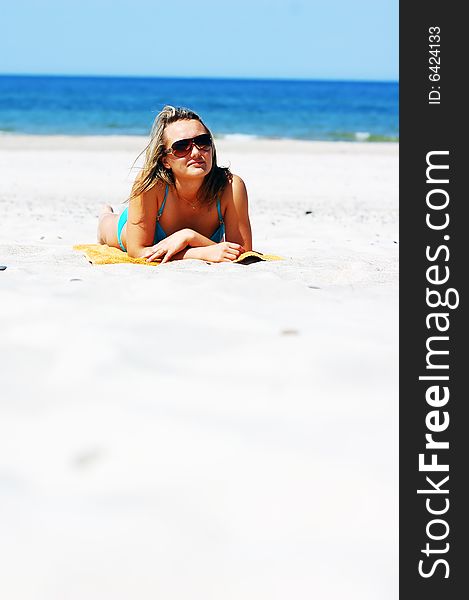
(312, 110)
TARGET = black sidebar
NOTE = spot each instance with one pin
(434, 359)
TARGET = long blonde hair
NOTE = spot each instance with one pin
(154, 170)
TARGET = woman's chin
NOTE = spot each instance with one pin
(196, 171)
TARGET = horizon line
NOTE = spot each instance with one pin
(202, 77)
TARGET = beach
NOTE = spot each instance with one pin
(195, 430)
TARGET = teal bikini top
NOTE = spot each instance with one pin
(160, 233)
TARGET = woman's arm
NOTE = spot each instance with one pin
(237, 224)
(141, 221)
(221, 252)
(237, 230)
(187, 243)
(176, 246)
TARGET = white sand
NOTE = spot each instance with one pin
(161, 436)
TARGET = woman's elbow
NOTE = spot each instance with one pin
(247, 239)
(134, 251)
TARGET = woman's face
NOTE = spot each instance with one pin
(197, 162)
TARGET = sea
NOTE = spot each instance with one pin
(281, 109)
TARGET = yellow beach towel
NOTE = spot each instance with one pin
(100, 254)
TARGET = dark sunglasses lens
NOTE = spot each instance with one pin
(181, 148)
(203, 141)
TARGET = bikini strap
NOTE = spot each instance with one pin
(160, 212)
(220, 217)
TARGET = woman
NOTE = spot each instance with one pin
(182, 205)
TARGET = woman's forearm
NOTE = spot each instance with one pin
(189, 252)
(196, 240)
(194, 244)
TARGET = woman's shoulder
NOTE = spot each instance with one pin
(235, 197)
(234, 185)
(157, 185)
(155, 191)
(235, 188)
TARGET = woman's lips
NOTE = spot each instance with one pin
(198, 163)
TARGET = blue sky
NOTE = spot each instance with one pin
(326, 39)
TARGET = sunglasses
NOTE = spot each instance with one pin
(183, 147)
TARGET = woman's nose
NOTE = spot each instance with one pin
(194, 150)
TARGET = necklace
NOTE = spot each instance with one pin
(193, 206)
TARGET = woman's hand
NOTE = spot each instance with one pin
(222, 252)
(168, 247)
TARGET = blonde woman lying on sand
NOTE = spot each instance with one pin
(182, 205)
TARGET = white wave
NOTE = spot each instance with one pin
(237, 137)
(362, 135)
